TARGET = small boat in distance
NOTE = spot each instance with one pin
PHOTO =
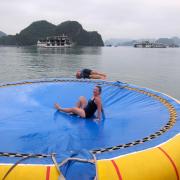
(55, 42)
(147, 44)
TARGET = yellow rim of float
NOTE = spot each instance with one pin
(29, 172)
(157, 163)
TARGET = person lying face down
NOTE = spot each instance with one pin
(89, 74)
(84, 108)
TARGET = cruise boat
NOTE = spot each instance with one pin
(147, 44)
(55, 42)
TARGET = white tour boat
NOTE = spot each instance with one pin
(55, 42)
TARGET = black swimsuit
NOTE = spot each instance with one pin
(85, 73)
(90, 109)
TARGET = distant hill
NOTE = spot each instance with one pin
(176, 40)
(116, 41)
(2, 34)
(165, 41)
(119, 42)
(170, 41)
(129, 42)
(42, 29)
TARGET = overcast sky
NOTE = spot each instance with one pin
(111, 18)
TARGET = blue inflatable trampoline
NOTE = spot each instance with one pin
(41, 143)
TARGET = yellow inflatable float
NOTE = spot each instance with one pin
(137, 139)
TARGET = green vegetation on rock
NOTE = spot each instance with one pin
(43, 29)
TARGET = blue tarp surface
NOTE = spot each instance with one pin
(30, 124)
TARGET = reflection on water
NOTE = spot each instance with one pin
(72, 51)
(158, 69)
(32, 62)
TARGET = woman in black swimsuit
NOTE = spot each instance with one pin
(86, 109)
(89, 74)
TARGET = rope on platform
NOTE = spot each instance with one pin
(27, 156)
(23, 159)
(55, 163)
(76, 159)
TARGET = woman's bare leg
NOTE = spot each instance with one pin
(82, 102)
(74, 110)
(96, 76)
(98, 73)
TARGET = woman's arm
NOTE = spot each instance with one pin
(99, 108)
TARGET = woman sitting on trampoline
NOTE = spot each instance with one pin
(86, 109)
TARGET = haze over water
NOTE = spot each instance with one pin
(158, 69)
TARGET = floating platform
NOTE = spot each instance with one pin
(137, 138)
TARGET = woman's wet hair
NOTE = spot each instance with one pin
(100, 89)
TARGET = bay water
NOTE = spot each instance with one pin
(155, 68)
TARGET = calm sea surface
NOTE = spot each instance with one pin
(158, 69)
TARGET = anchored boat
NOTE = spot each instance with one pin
(55, 42)
(148, 44)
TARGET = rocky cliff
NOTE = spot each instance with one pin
(42, 29)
